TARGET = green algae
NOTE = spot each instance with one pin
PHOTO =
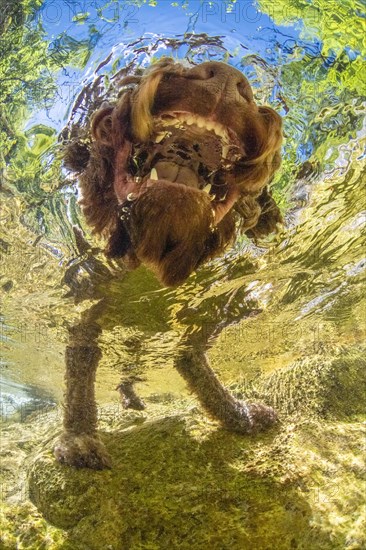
(178, 483)
(177, 480)
(181, 481)
(329, 387)
(23, 527)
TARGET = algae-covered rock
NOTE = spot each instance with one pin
(180, 481)
(176, 483)
(332, 387)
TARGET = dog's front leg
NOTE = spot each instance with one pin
(239, 416)
(79, 445)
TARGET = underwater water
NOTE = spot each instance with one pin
(293, 297)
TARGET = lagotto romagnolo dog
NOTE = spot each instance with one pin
(168, 175)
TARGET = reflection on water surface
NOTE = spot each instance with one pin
(290, 297)
(301, 289)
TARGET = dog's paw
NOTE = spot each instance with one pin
(82, 451)
(252, 418)
(260, 416)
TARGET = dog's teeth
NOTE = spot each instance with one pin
(160, 137)
(181, 120)
(154, 174)
(207, 188)
(212, 197)
(131, 197)
(225, 151)
(219, 131)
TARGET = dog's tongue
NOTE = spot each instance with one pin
(127, 188)
(166, 170)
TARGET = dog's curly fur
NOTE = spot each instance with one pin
(168, 174)
(171, 227)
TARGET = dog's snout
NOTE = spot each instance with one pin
(205, 71)
(221, 78)
(244, 89)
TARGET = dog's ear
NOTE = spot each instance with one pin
(270, 215)
(267, 161)
(262, 143)
(101, 126)
(75, 155)
(77, 149)
(119, 242)
(273, 137)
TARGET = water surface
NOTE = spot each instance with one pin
(291, 296)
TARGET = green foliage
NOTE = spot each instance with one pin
(321, 89)
(23, 74)
(28, 67)
(341, 29)
(29, 64)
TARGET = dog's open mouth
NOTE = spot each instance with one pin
(187, 149)
(180, 163)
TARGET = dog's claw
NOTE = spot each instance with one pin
(82, 451)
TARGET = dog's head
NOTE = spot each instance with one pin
(182, 155)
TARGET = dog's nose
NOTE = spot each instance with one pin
(221, 78)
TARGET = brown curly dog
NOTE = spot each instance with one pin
(168, 175)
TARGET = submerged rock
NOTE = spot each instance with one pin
(180, 481)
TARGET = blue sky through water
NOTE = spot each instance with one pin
(112, 26)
